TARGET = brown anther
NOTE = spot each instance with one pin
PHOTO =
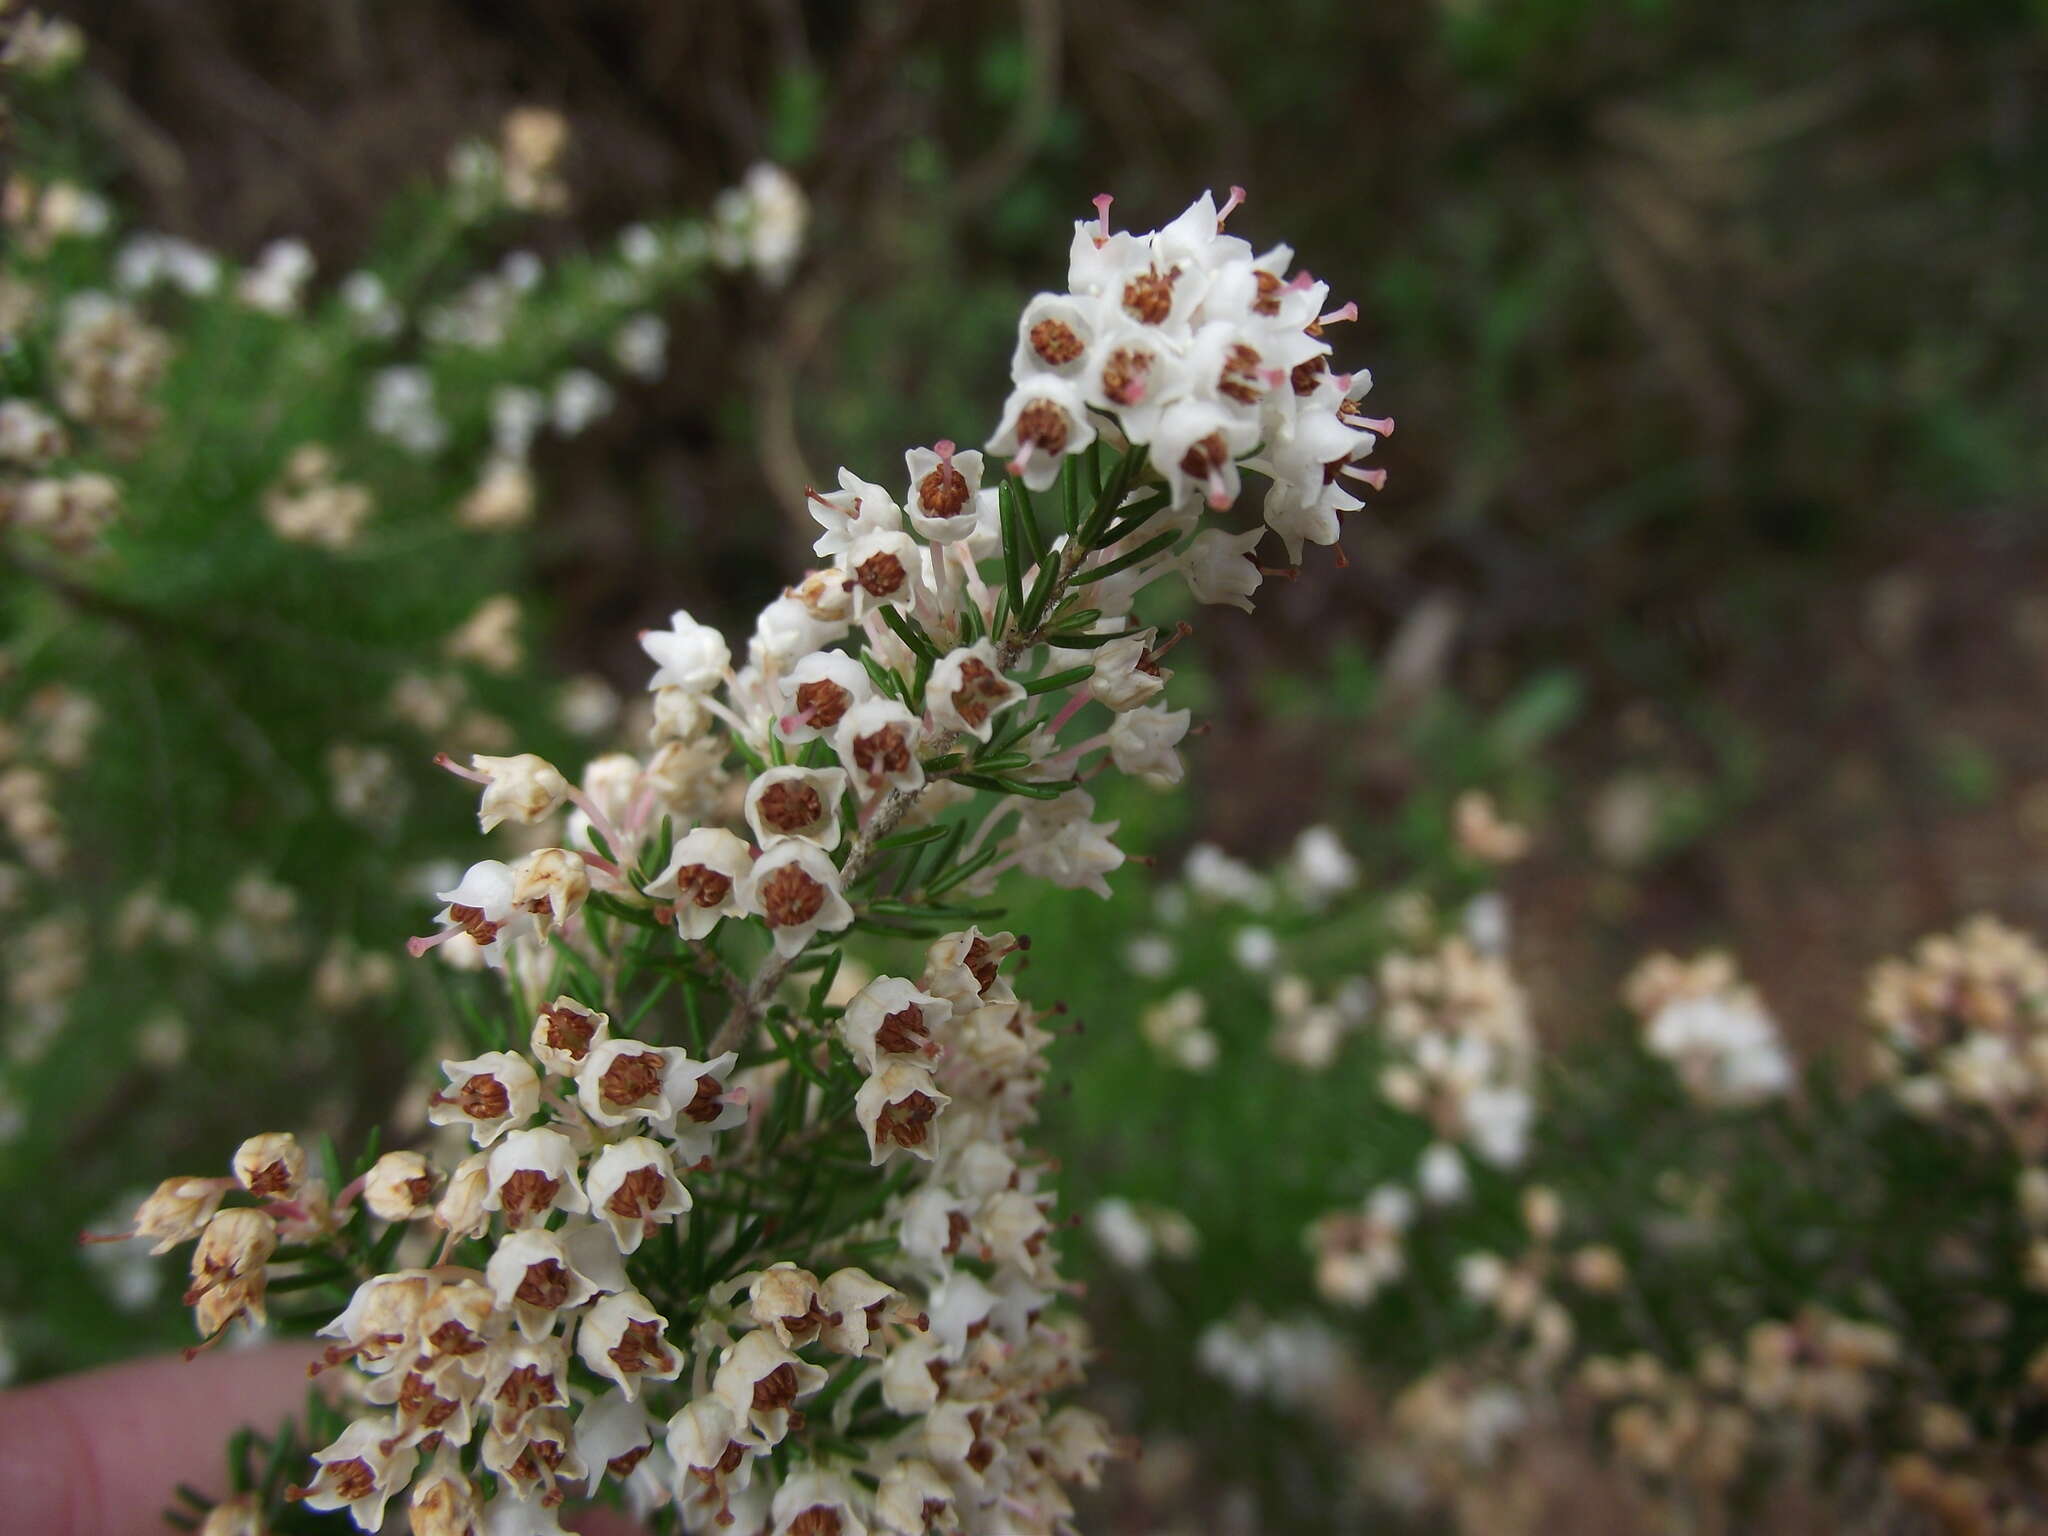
(818, 1520)
(702, 885)
(546, 1285)
(622, 1466)
(1045, 425)
(351, 1479)
(630, 1079)
(1240, 376)
(639, 1192)
(1205, 456)
(1148, 297)
(803, 1326)
(453, 1338)
(980, 691)
(880, 575)
(527, 1193)
(705, 1106)
(273, 1180)
(471, 920)
(822, 703)
(957, 1228)
(903, 1032)
(1126, 373)
(421, 1404)
(881, 753)
(942, 493)
(1270, 288)
(481, 1097)
(529, 1389)
(980, 1454)
(907, 1122)
(734, 1453)
(981, 960)
(790, 898)
(1056, 343)
(1306, 376)
(776, 1390)
(790, 805)
(418, 1189)
(932, 1511)
(569, 1030)
(641, 1347)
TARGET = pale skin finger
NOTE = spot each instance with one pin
(102, 1453)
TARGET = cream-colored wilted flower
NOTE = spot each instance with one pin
(622, 1338)
(783, 1298)
(796, 803)
(877, 739)
(896, 1108)
(229, 1268)
(795, 888)
(399, 1186)
(272, 1165)
(359, 1472)
(550, 885)
(532, 142)
(761, 1380)
(967, 691)
(687, 655)
(177, 1211)
(504, 496)
(564, 1034)
(891, 1016)
(710, 1442)
(487, 1093)
(1483, 834)
(857, 1306)
(703, 879)
(533, 1175)
(814, 1503)
(633, 1188)
(523, 788)
(914, 1498)
(444, 1501)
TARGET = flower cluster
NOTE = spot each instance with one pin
(1961, 1029)
(1209, 355)
(1713, 1030)
(795, 1270)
